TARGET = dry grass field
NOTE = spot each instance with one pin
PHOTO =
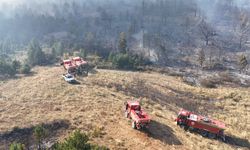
(95, 106)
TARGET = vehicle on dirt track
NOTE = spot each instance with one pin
(69, 78)
(76, 66)
(69, 66)
(78, 61)
(139, 117)
(82, 66)
(205, 126)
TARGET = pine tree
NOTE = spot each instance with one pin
(59, 49)
(243, 62)
(39, 133)
(83, 53)
(201, 57)
(16, 65)
(111, 56)
(35, 54)
(123, 43)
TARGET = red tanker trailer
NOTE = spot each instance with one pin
(207, 127)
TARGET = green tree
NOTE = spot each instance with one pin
(35, 54)
(77, 141)
(111, 56)
(123, 43)
(83, 53)
(17, 146)
(16, 65)
(6, 68)
(51, 57)
(53, 54)
(243, 62)
(125, 61)
(39, 134)
(59, 49)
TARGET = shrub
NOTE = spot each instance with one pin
(39, 133)
(208, 83)
(128, 61)
(77, 141)
(189, 80)
(122, 61)
(97, 132)
(16, 65)
(6, 68)
(226, 77)
(25, 69)
(17, 146)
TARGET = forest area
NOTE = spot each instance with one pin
(160, 32)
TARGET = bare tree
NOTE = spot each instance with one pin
(206, 31)
(243, 30)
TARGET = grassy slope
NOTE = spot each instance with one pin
(96, 105)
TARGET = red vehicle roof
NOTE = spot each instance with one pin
(77, 58)
(137, 112)
(66, 61)
(68, 64)
(133, 103)
(79, 61)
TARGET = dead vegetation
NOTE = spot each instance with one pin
(96, 105)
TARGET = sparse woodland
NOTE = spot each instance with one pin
(166, 32)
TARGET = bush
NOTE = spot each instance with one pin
(16, 65)
(6, 68)
(77, 141)
(39, 134)
(128, 61)
(122, 61)
(17, 146)
(189, 80)
(226, 77)
(25, 69)
(208, 83)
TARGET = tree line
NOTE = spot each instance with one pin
(162, 31)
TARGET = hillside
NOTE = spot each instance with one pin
(96, 106)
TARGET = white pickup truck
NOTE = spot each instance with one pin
(69, 78)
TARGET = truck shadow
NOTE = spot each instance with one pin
(75, 83)
(163, 133)
(230, 140)
(236, 141)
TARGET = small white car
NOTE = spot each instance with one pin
(69, 78)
